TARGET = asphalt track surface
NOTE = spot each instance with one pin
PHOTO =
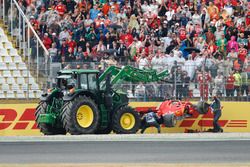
(197, 151)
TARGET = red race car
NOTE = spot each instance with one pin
(172, 110)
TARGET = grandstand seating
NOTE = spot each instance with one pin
(16, 82)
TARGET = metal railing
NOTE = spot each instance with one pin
(25, 39)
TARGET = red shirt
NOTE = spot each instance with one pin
(230, 82)
(105, 9)
(242, 54)
(61, 9)
(248, 19)
(234, 2)
(72, 44)
(182, 34)
(47, 42)
(35, 24)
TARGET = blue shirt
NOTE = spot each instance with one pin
(93, 13)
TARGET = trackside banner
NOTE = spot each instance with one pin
(19, 119)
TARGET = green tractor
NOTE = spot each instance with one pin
(85, 103)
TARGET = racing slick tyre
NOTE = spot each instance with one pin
(202, 107)
(80, 116)
(126, 121)
(47, 129)
(169, 120)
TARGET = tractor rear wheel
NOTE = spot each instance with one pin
(80, 116)
(169, 120)
(47, 129)
(126, 121)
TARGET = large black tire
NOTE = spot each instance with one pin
(169, 120)
(132, 118)
(202, 107)
(72, 116)
(47, 129)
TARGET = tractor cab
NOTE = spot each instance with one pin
(78, 79)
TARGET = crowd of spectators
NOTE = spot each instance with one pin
(151, 34)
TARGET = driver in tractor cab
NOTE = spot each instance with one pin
(150, 119)
(64, 83)
(71, 84)
(68, 84)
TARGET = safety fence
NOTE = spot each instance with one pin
(183, 82)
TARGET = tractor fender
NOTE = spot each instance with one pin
(71, 96)
(119, 106)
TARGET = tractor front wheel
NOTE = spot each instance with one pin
(126, 121)
(80, 116)
(47, 129)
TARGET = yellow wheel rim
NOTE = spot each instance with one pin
(127, 121)
(85, 116)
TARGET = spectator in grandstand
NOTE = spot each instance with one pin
(219, 83)
(80, 55)
(221, 42)
(237, 83)
(140, 92)
(230, 85)
(242, 54)
(185, 84)
(122, 52)
(232, 55)
(64, 34)
(156, 61)
(53, 53)
(143, 62)
(245, 84)
(232, 44)
(47, 41)
(189, 66)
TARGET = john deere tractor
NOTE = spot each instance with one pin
(85, 103)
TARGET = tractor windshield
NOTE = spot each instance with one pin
(66, 82)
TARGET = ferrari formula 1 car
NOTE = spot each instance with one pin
(170, 111)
